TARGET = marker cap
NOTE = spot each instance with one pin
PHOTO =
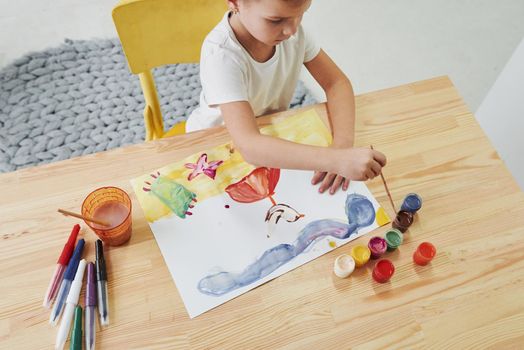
(69, 246)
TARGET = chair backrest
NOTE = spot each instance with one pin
(158, 32)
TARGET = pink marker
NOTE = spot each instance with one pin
(61, 265)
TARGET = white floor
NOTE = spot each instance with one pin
(379, 43)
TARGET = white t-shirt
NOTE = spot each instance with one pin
(228, 74)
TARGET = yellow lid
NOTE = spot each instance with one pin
(361, 254)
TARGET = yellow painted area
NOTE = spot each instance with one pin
(382, 217)
(332, 244)
(305, 127)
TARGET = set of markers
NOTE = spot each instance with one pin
(64, 289)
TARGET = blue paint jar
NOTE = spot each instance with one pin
(412, 203)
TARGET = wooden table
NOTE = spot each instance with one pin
(471, 296)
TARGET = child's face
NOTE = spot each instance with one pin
(271, 21)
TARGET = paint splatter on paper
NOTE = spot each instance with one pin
(360, 212)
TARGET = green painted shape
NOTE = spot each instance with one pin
(175, 196)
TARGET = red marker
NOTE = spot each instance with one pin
(61, 265)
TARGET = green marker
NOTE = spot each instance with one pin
(76, 336)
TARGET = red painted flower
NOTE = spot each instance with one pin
(257, 185)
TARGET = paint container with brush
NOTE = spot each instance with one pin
(403, 221)
(344, 266)
(113, 206)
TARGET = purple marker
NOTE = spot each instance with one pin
(377, 246)
(90, 303)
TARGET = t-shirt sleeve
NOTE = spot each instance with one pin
(312, 48)
(223, 79)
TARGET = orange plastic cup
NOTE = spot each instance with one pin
(112, 205)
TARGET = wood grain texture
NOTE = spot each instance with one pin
(470, 297)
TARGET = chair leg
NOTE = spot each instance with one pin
(148, 116)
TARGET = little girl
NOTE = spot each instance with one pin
(249, 66)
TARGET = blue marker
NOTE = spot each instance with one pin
(69, 275)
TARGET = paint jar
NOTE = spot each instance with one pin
(112, 205)
(383, 271)
(393, 239)
(377, 246)
(344, 266)
(411, 203)
(424, 254)
(360, 254)
(403, 220)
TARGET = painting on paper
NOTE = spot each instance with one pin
(225, 226)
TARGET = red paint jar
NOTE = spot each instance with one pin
(424, 254)
(383, 271)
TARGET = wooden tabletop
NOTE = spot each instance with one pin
(470, 296)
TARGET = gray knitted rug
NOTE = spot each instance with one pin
(80, 98)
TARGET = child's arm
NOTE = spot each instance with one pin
(340, 97)
(341, 112)
(262, 150)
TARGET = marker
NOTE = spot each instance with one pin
(61, 265)
(72, 301)
(76, 335)
(66, 283)
(90, 303)
(101, 279)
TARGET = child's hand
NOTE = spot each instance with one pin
(329, 180)
(359, 164)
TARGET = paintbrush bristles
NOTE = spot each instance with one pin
(387, 189)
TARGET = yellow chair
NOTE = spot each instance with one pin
(159, 32)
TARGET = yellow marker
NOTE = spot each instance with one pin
(360, 254)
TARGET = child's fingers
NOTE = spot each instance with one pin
(376, 168)
(328, 180)
(345, 186)
(317, 177)
(336, 184)
(379, 157)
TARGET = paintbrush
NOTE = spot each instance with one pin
(69, 213)
(386, 187)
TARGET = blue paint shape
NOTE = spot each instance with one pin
(360, 213)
